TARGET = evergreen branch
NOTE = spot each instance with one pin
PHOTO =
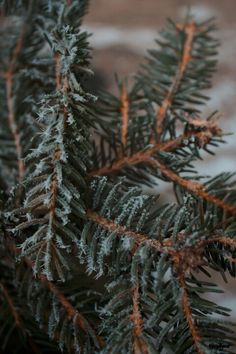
(224, 240)
(124, 114)
(23, 329)
(193, 187)
(122, 230)
(10, 104)
(189, 30)
(139, 345)
(12, 307)
(202, 137)
(58, 152)
(146, 253)
(57, 58)
(70, 310)
(73, 315)
(188, 315)
(61, 172)
(18, 319)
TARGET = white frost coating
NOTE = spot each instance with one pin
(142, 252)
(127, 243)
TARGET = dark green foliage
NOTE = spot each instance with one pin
(56, 183)
(90, 263)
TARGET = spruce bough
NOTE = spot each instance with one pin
(89, 262)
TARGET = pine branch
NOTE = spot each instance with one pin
(139, 345)
(12, 307)
(11, 114)
(124, 115)
(121, 230)
(189, 30)
(148, 255)
(51, 323)
(18, 330)
(189, 318)
(193, 187)
(58, 198)
(176, 73)
(143, 156)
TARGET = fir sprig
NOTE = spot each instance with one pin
(56, 201)
(95, 265)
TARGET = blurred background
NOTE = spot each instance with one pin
(124, 29)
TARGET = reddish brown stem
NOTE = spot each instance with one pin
(57, 154)
(144, 156)
(139, 345)
(72, 313)
(189, 30)
(57, 58)
(9, 76)
(139, 238)
(124, 115)
(194, 187)
(188, 315)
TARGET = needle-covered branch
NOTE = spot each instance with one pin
(56, 186)
(102, 267)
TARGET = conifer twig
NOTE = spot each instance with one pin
(139, 238)
(139, 345)
(189, 30)
(17, 317)
(188, 314)
(194, 187)
(72, 313)
(144, 156)
(15, 313)
(124, 114)
(9, 76)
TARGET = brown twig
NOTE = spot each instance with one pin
(70, 310)
(194, 187)
(188, 314)
(165, 246)
(144, 156)
(9, 76)
(17, 317)
(57, 58)
(124, 115)
(72, 313)
(57, 154)
(139, 238)
(189, 30)
(224, 240)
(139, 344)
